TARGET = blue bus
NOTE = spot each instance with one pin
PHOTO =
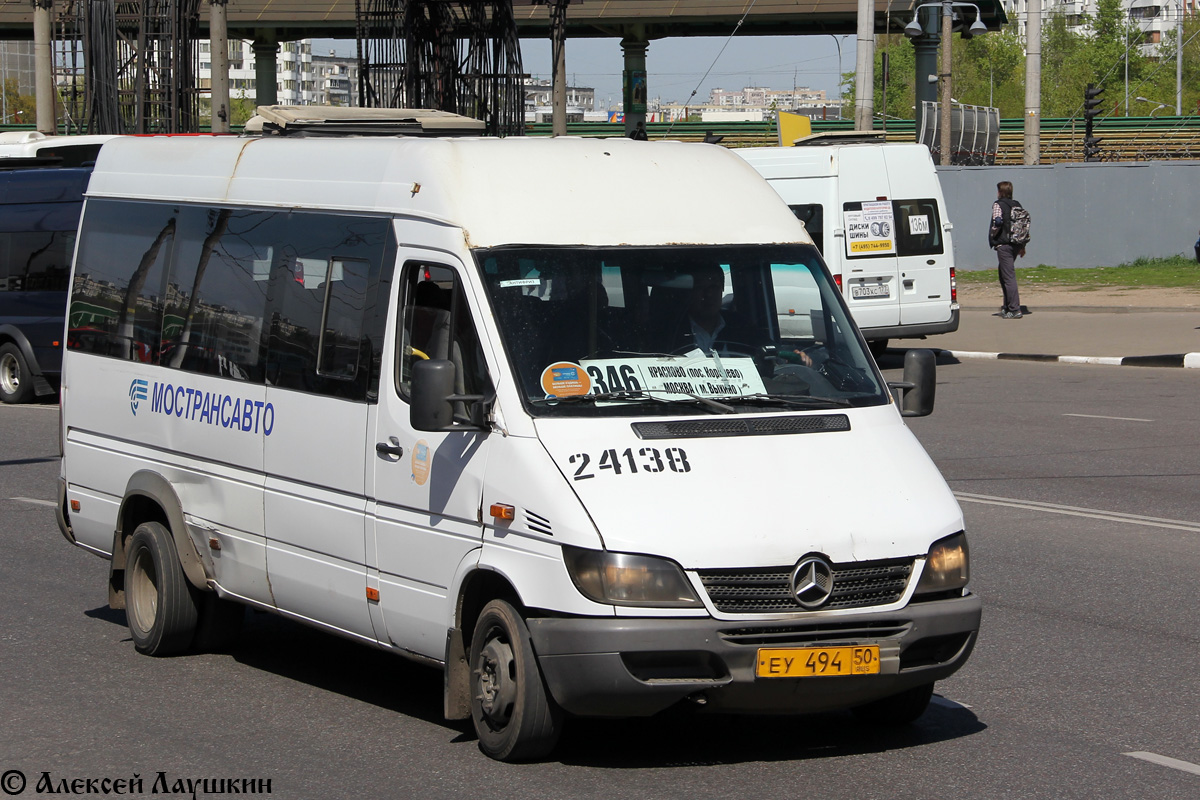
(39, 214)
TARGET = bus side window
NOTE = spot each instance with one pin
(437, 324)
(117, 299)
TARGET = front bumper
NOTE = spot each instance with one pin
(614, 667)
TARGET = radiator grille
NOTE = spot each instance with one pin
(768, 590)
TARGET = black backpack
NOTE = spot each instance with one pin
(1019, 222)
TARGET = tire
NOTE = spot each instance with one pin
(877, 347)
(899, 709)
(514, 716)
(16, 384)
(160, 605)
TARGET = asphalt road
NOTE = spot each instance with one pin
(1078, 487)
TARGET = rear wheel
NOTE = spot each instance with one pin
(899, 709)
(160, 604)
(514, 716)
(16, 384)
(877, 347)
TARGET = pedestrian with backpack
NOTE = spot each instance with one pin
(1008, 235)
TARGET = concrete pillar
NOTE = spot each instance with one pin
(864, 72)
(266, 93)
(558, 55)
(1033, 83)
(43, 66)
(218, 34)
(634, 46)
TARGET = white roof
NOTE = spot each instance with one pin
(500, 191)
(817, 161)
(26, 144)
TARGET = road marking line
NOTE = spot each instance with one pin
(1164, 761)
(1098, 416)
(50, 503)
(1075, 511)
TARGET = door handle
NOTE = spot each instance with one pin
(389, 448)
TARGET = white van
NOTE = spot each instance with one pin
(876, 213)
(485, 404)
(34, 149)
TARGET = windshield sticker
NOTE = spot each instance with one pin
(630, 461)
(701, 376)
(565, 379)
(421, 457)
(521, 282)
(872, 230)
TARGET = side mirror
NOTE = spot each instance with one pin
(432, 388)
(919, 386)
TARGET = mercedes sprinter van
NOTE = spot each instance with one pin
(522, 409)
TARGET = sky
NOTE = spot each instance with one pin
(677, 66)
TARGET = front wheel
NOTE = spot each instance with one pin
(16, 384)
(160, 604)
(514, 716)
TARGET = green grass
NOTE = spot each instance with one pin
(1176, 271)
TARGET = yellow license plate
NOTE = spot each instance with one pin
(807, 662)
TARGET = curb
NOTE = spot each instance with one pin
(1185, 360)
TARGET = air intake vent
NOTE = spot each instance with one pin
(537, 523)
(768, 590)
(754, 426)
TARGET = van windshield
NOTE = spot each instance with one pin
(593, 331)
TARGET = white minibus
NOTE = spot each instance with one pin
(520, 409)
(876, 213)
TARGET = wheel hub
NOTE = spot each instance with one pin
(143, 605)
(10, 375)
(497, 682)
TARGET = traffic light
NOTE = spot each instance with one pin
(1091, 101)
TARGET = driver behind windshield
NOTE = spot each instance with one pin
(705, 322)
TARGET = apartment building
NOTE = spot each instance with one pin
(301, 78)
(1157, 18)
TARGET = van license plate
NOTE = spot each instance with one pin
(807, 662)
(875, 290)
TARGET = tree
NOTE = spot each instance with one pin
(989, 70)
(20, 109)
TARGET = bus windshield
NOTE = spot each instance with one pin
(594, 331)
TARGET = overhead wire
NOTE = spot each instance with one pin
(732, 33)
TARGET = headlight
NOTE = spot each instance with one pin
(947, 566)
(623, 579)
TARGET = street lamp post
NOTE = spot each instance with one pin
(914, 30)
(1158, 106)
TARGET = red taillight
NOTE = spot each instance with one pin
(838, 280)
(953, 287)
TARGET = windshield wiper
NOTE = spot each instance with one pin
(634, 394)
(796, 400)
(639, 394)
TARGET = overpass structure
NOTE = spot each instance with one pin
(635, 22)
